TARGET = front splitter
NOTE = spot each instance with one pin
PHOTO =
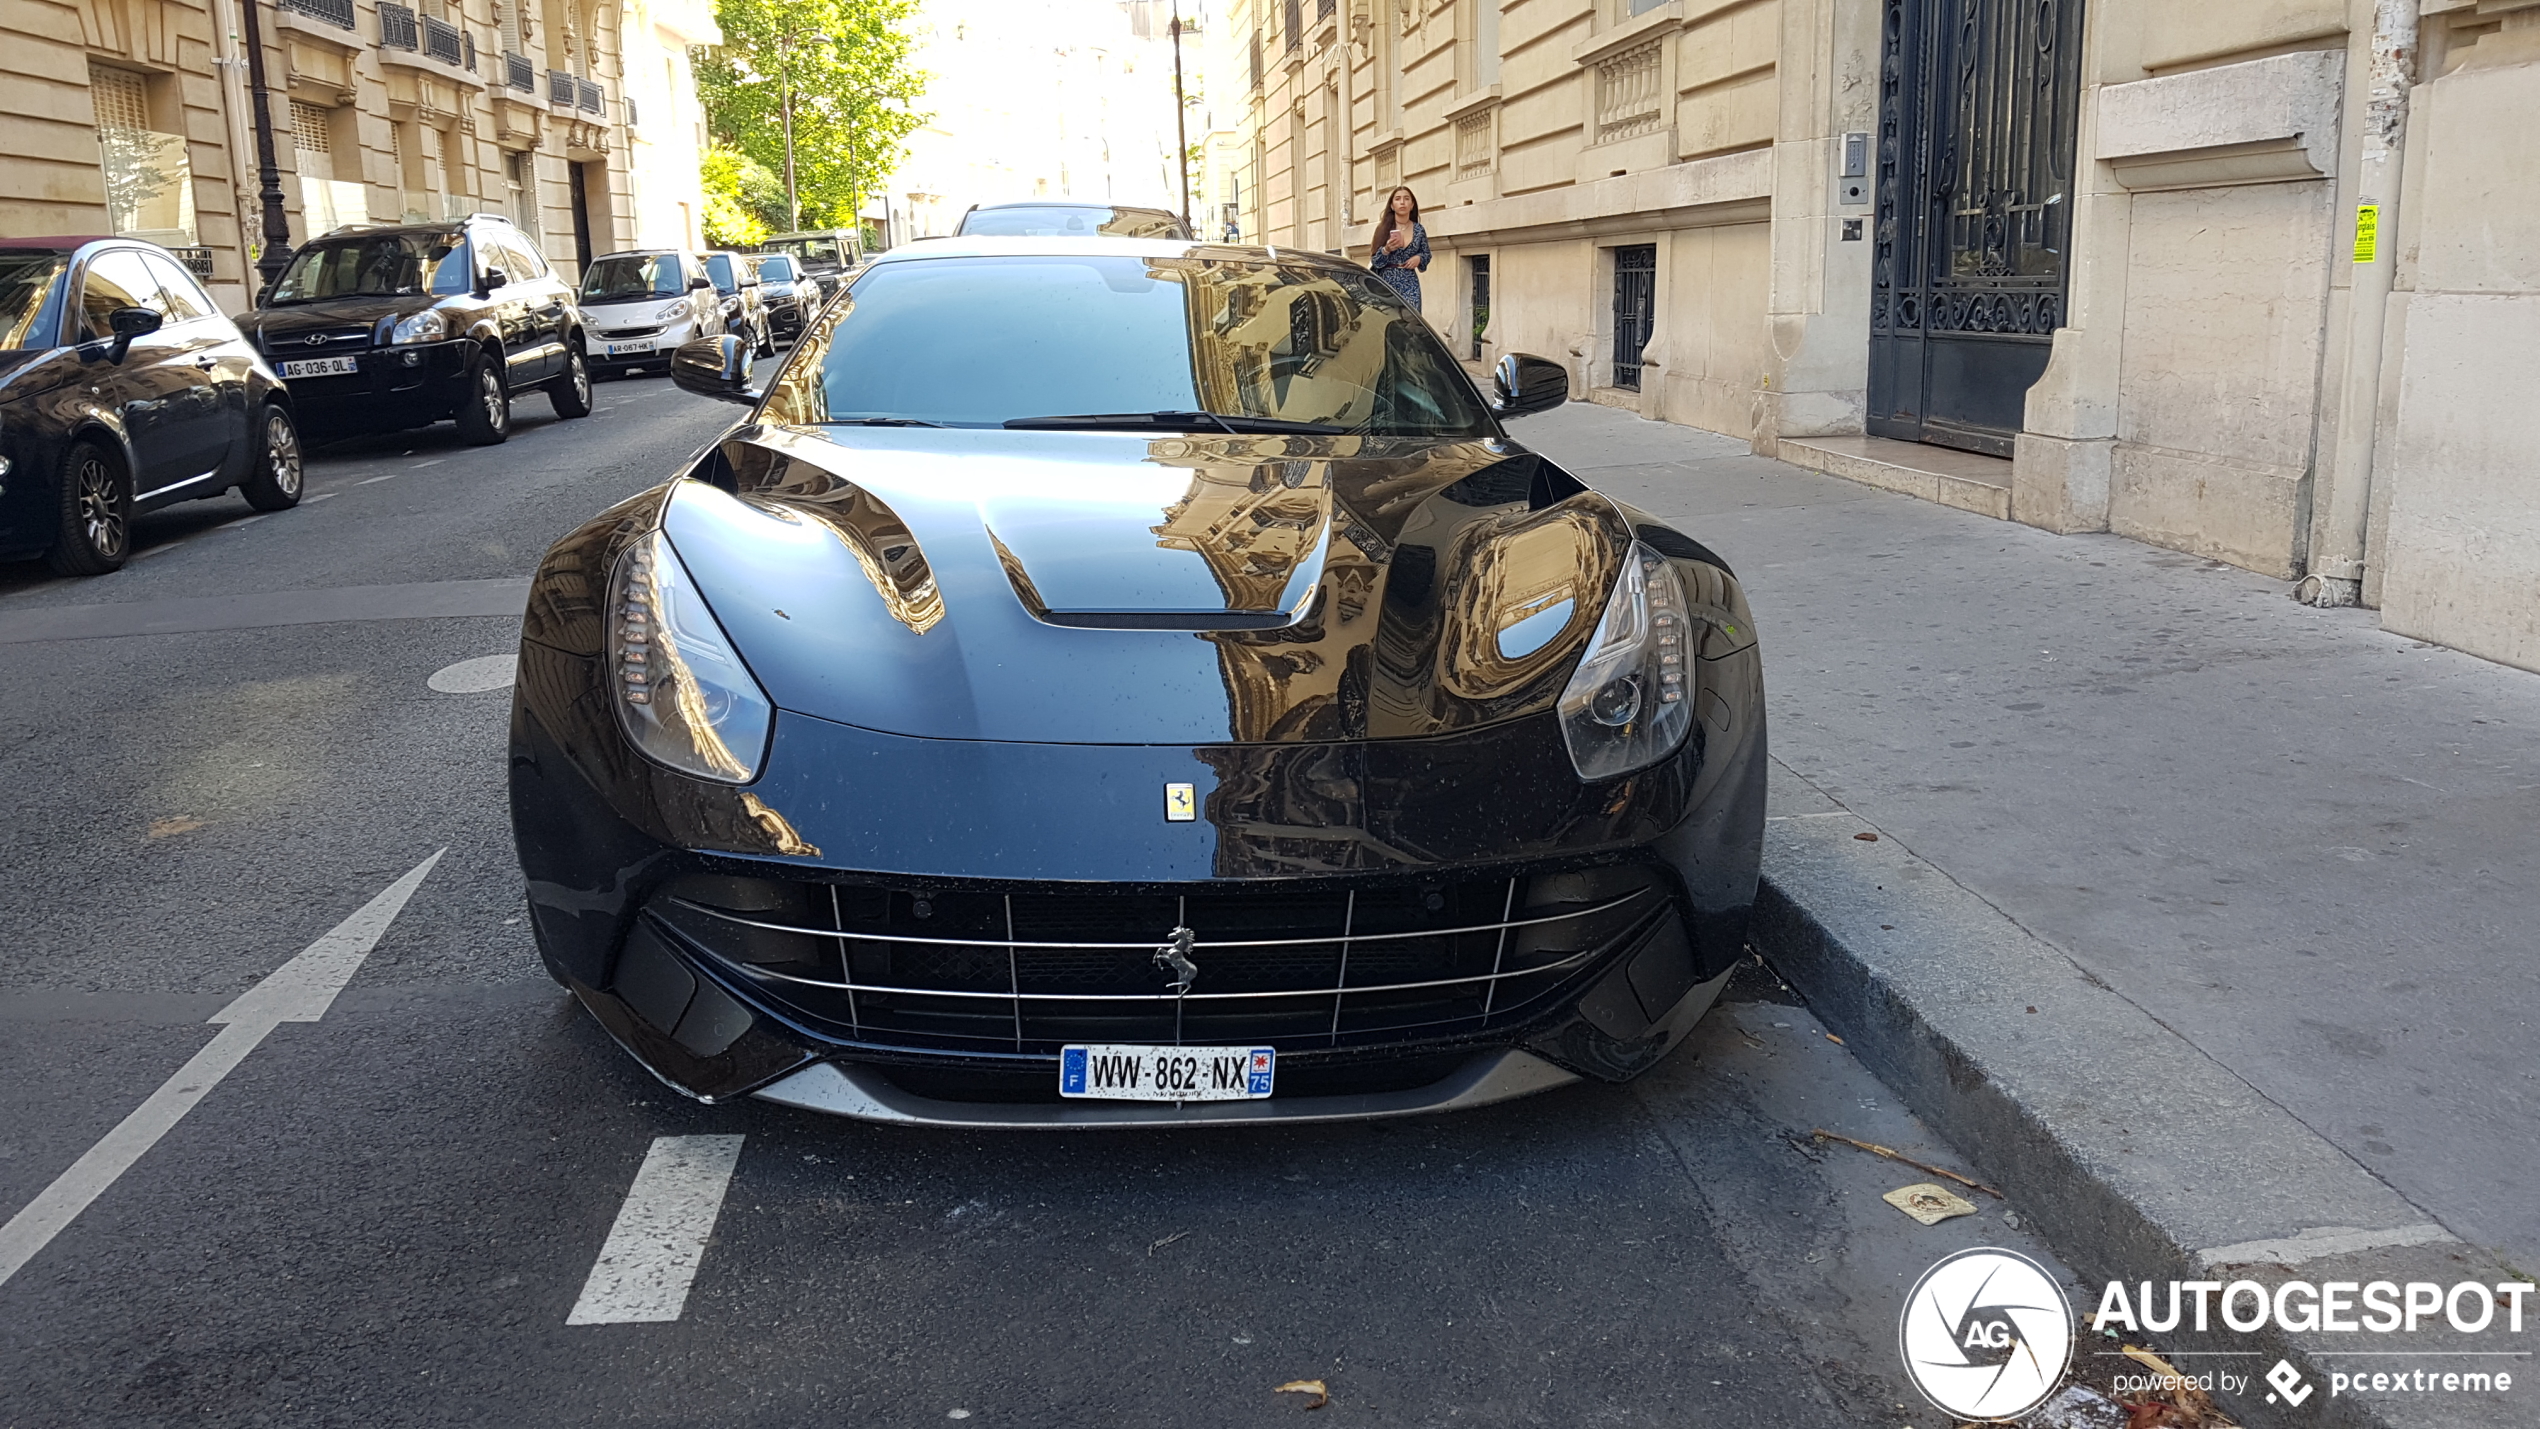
(847, 1090)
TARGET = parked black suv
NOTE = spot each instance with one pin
(386, 326)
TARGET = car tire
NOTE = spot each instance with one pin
(94, 531)
(766, 341)
(571, 392)
(274, 471)
(485, 412)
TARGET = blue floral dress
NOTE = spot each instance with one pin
(1399, 267)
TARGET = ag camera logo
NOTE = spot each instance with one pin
(1986, 1334)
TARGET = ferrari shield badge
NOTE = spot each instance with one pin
(1181, 803)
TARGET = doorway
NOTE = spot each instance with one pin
(581, 217)
(1635, 309)
(1978, 104)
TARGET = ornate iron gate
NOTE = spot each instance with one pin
(1635, 309)
(1978, 101)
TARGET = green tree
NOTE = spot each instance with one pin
(854, 90)
(744, 202)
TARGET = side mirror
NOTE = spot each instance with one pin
(717, 367)
(1523, 385)
(127, 324)
(699, 280)
(496, 278)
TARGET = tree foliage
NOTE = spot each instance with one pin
(744, 202)
(855, 93)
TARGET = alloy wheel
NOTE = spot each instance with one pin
(101, 514)
(489, 390)
(581, 378)
(282, 454)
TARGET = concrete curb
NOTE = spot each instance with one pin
(2138, 1156)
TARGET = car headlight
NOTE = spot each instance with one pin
(426, 326)
(1631, 700)
(682, 694)
(672, 310)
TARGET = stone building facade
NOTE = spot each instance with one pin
(2250, 281)
(133, 116)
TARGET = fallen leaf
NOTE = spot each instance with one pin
(1928, 1203)
(1867, 838)
(173, 825)
(1313, 1387)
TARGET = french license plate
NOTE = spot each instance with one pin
(629, 349)
(321, 367)
(1166, 1074)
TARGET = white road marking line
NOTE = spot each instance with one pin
(436, 461)
(156, 551)
(368, 480)
(300, 990)
(250, 521)
(324, 496)
(650, 1259)
(471, 677)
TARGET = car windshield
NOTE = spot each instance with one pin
(1182, 343)
(633, 275)
(719, 270)
(776, 268)
(378, 265)
(26, 281)
(1068, 221)
(814, 252)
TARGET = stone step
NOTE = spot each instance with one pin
(1969, 481)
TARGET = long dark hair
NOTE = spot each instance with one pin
(1385, 220)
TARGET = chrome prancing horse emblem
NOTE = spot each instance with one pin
(1175, 955)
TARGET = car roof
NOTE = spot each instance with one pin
(965, 247)
(68, 242)
(636, 253)
(1074, 203)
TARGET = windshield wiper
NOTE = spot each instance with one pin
(879, 422)
(1236, 423)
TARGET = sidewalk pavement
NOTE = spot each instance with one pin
(2203, 915)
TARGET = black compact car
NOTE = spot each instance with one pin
(824, 253)
(1069, 220)
(736, 284)
(389, 326)
(789, 294)
(122, 388)
(1134, 683)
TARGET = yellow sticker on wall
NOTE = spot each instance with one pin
(2367, 231)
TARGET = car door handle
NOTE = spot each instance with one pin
(207, 363)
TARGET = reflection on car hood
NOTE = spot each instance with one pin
(1076, 587)
(334, 315)
(24, 372)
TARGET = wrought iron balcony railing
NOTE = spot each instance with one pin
(397, 28)
(559, 87)
(334, 12)
(441, 40)
(519, 73)
(590, 99)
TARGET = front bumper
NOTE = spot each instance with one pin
(713, 930)
(665, 341)
(407, 386)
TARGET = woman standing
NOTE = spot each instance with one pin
(1401, 247)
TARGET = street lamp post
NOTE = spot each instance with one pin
(276, 249)
(785, 45)
(1181, 135)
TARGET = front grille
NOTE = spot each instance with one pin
(297, 343)
(1029, 972)
(629, 331)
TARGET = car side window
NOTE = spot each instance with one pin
(525, 253)
(116, 278)
(186, 299)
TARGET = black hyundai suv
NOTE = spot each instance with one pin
(386, 326)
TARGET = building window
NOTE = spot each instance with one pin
(1635, 309)
(149, 174)
(1479, 266)
(326, 201)
(1473, 145)
(520, 185)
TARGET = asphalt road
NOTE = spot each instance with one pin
(387, 1215)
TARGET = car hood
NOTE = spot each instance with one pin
(334, 317)
(1072, 587)
(27, 371)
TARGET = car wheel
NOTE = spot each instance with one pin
(95, 531)
(273, 476)
(485, 414)
(571, 393)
